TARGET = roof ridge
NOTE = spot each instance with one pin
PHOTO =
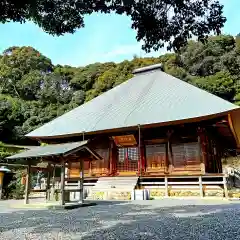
(148, 68)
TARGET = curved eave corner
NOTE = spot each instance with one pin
(234, 123)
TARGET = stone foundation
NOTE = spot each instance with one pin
(110, 195)
(156, 193)
(159, 193)
(234, 193)
(214, 193)
(183, 193)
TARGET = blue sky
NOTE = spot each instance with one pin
(104, 38)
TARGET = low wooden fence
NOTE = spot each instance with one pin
(165, 182)
(199, 181)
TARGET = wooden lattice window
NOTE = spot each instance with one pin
(130, 153)
(185, 154)
(127, 159)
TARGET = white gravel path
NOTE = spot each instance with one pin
(163, 219)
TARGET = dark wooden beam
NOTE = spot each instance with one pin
(111, 163)
(169, 151)
(62, 202)
(48, 182)
(81, 195)
(53, 182)
(201, 150)
(139, 152)
(28, 181)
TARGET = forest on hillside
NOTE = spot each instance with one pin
(33, 91)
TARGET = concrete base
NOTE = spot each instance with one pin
(70, 206)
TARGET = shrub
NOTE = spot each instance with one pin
(15, 188)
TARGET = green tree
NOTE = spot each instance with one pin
(55, 89)
(220, 84)
(10, 117)
(29, 86)
(237, 99)
(207, 59)
(78, 98)
(15, 63)
(84, 78)
(33, 91)
(156, 21)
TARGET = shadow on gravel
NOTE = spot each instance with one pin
(126, 220)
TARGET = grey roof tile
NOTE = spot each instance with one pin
(149, 97)
(49, 150)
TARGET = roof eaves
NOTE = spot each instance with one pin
(39, 152)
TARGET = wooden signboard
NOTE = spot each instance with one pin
(125, 140)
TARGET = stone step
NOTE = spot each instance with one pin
(117, 177)
(104, 190)
(111, 190)
(109, 180)
(124, 195)
(117, 180)
(113, 185)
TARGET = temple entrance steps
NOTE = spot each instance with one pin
(113, 188)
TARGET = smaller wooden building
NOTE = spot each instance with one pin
(55, 155)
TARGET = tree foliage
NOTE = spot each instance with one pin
(157, 21)
(33, 91)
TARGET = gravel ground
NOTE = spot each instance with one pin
(160, 219)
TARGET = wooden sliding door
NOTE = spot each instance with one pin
(186, 158)
(100, 167)
(156, 158)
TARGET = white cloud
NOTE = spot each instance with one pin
(124, 52)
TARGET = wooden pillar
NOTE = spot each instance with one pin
(225, 186)
(200, 151)
(200, 186)
(143, 158)
(53, 182)
(81, 192)
(111, 158)
(204, 142)
(62, 201)
(166, 186)
(48, 182)
(139, 152)
(169, 152)
(114, 158)
(53, 175)
(28, 182)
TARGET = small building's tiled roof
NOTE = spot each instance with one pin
(49, 150)
(150, 97)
